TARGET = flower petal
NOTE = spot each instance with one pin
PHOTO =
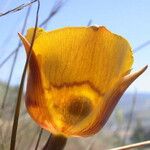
(30, 33)
(80, 54)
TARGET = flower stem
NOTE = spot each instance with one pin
(55, 142)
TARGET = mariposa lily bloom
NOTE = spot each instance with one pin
(76, 77)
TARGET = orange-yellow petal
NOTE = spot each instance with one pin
(31, 31)
(77, 54)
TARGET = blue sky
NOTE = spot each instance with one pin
(129, 18)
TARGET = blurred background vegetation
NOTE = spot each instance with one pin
(129, 123)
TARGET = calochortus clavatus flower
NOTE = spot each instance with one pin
(76, 77)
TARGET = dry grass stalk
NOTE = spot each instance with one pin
(17, 110)
(18, 8)
(136, 145)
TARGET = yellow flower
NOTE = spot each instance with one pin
(76, 77)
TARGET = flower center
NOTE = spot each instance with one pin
(77, 109)
(80, 106)
(74, 110)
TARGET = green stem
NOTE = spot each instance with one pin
(55, 143)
